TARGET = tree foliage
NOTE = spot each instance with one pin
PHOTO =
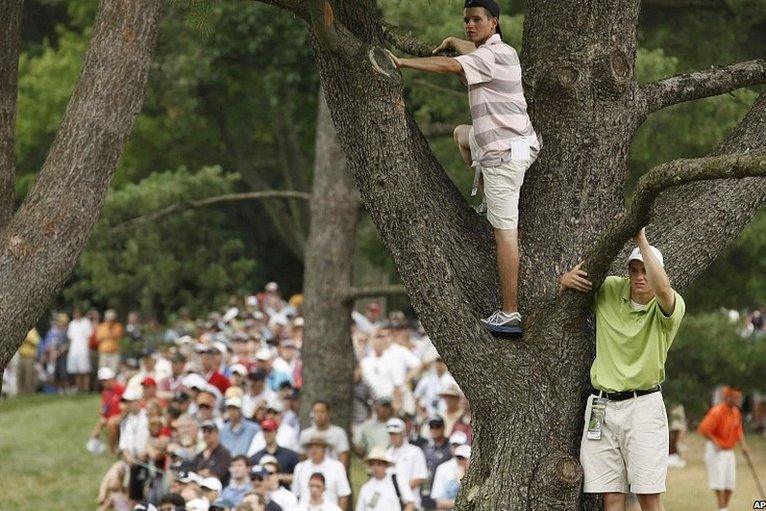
(193, 259)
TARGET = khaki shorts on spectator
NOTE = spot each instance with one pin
(633, 451)
(502, 185)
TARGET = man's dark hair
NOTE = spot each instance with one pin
(319, 476)
(173, 498)
(241, 457)
(321, 402)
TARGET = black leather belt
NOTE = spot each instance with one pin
(626, 394)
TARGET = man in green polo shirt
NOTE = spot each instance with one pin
(625, 439)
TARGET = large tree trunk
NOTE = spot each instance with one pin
(327, 352)
(10, 42)
(527, 395)
(40, 246)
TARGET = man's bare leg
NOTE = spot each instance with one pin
(507, 241)
(650, 502)
(461, 139)
(614, 501)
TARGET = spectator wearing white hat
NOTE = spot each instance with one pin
(336, 436)
(337, 490)
(445, 472)
(383, 491)
(79, 332)
(238, 376)
(287, 436)
(211, 488)
(274, 378)
(237, 432)
(287, 361)
(445, 497)
(637, 319)
(409, 460)
(134, 434)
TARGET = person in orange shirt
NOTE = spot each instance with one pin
(722, 426)
(108, 335)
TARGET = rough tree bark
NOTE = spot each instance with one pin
(527, 396)
(10, 43)
(40, 245)
(327, 277)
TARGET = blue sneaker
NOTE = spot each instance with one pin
(503, 324)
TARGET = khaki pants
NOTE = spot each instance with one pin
(26, 375)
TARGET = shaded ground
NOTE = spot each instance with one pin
(44, 464)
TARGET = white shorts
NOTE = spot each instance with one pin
(633, 451)
(721, 467)
(502, 186)
(77, 363)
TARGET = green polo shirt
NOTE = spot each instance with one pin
(631, 345)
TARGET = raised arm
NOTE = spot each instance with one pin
(655, 276)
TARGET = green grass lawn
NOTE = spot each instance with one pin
(44, 465)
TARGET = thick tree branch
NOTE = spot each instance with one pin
(702, 84)
(180, 207)
(659, 179)
(405, 42)
(356, 293)
(10, 42)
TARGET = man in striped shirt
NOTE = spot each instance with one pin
(500, 145)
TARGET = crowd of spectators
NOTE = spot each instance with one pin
(203, 414)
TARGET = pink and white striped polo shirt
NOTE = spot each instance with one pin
(501, 125)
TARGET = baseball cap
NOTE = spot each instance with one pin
(272, 286)
(288, 343)
(383, 401)
(239, 369)
(458, 437)
(451, 390)
(149, 382)
(269, 460)
(189, 477)
(263, 354)
(395, 425)
(490, 5)
(212, 483)
(236, 402)
(463, 451)
(209, 425)
(269, 425)
(206, 398)
(637, 256)
(258, 472)
(200, 504)
(316, 440)
(105, 373)
(131, 395)
(276, 405)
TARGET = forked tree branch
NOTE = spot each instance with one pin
(201, 203)
(702, 84)
(662, 177)
(10, 43)
(356, 293)
(407, 43)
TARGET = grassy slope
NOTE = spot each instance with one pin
(44, 465)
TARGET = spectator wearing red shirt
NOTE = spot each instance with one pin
(212, 376)
(111, 394)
